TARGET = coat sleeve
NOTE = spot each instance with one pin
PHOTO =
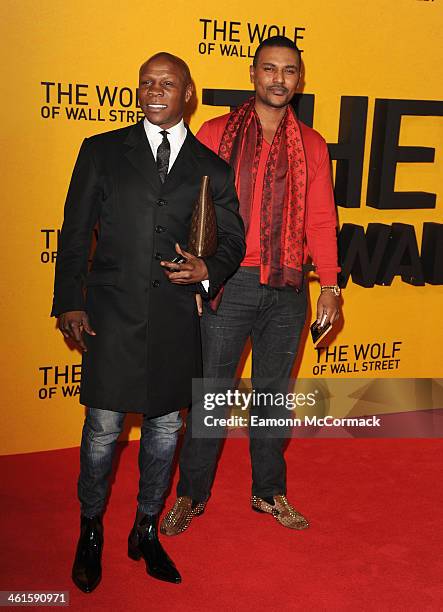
(80, 216)
(231, 236)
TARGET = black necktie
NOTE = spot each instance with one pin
(163, 153)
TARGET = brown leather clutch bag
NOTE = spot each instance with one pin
(203, 233)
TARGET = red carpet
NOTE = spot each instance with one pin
(375, 541)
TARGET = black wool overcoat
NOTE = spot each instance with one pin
(147, 348)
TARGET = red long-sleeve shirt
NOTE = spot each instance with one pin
(321, 218)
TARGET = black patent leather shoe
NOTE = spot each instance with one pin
(87, 568)
(143, 542)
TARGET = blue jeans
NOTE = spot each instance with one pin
(157, 446)
(274, 320)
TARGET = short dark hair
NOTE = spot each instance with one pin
(276, 41)
(181, 64)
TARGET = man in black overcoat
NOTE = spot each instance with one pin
(135, 321)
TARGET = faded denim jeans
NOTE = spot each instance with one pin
(157, 446)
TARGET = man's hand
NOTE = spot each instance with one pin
(328, 307)
(193, 271)
(72, 324)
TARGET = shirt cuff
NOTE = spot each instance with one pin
(205, 284)
(328, 277)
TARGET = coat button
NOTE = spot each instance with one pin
(155, 283)
(161, 202)
(158, 256)
(159, 229)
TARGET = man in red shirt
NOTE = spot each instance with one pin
(284, 185)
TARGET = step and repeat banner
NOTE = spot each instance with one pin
(372, 86)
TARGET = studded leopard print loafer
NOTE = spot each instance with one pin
(281, 510)
(180, 516)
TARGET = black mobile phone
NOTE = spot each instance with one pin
(319, 331)
(177, 259)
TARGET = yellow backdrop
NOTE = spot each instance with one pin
(59, 59)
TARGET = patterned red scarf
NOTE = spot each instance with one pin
(284, 189)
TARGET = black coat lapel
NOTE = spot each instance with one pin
(139, 153)
(186, 166)
(182, 169)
